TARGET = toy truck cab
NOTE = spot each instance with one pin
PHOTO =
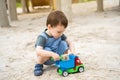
(71, 65)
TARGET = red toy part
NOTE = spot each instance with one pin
(77, 61)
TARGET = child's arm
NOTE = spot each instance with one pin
(71, 46)
(44, 53)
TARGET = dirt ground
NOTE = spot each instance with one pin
(96, 37)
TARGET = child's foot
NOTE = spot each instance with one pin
(38, 70)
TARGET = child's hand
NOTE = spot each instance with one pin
(65, 56)
(55, 56)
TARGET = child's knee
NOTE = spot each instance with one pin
(63, 47)
(64, 43)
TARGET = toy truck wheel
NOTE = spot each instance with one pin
(81, 69)
(65, 73)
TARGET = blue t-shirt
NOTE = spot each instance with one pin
(44, 40)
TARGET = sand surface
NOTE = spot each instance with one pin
(96, 37)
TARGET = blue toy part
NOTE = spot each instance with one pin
(66, 64)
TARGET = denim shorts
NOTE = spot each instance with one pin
(63, 46)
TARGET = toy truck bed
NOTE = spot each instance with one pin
(66, 64)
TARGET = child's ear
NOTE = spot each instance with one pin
(49, 26)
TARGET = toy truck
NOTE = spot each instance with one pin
(71, 65)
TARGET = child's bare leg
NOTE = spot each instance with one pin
(41, 60)
(39, 66)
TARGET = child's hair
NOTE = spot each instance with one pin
(57, 17)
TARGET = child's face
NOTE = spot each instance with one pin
(56, 31)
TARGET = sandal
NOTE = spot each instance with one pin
(38, 70)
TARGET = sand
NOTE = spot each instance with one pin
(96, 37)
